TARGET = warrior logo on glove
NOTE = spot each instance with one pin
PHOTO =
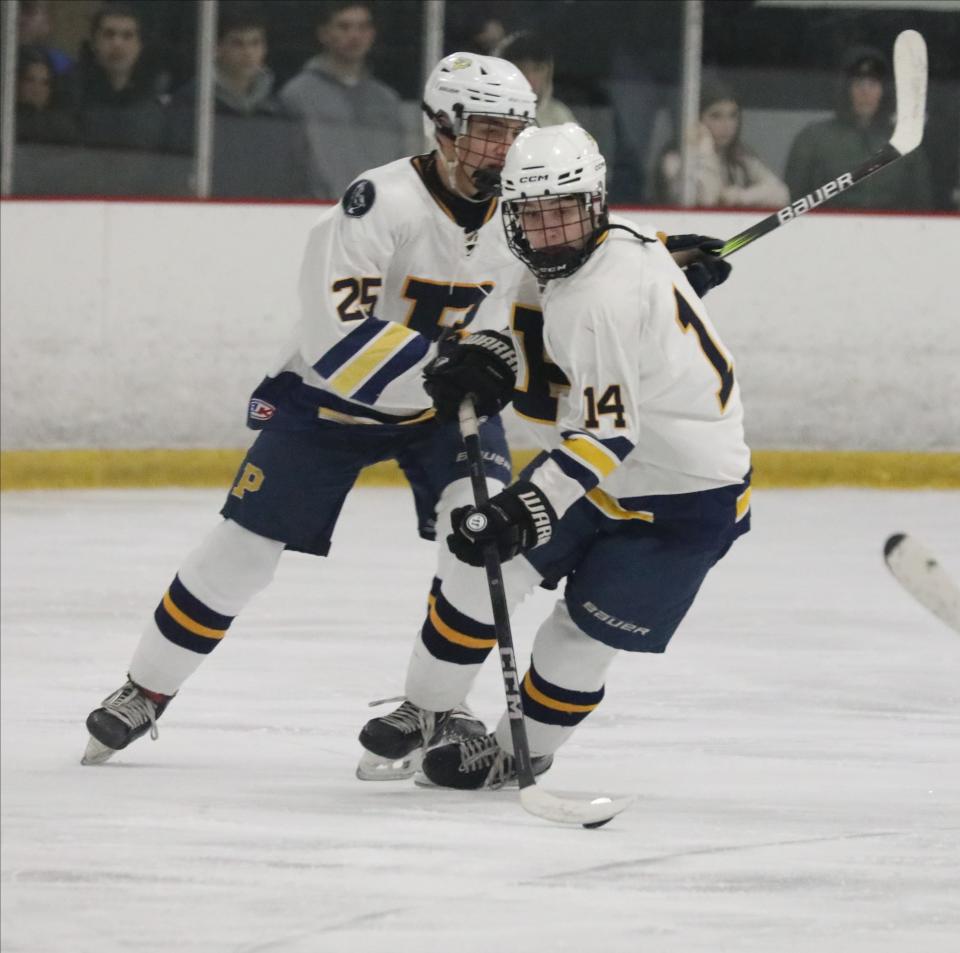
(476, 522)
(516, 520)
(482, 365)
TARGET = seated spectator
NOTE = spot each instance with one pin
(530, 54)
(474, 27)
(33, 29)
(726, 171)
(243, 85)
(487, 34)
(114, 91)
(38, 118)
(862, 125)
(352, 120)
(257, 149)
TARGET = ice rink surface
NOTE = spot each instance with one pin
(795, 755)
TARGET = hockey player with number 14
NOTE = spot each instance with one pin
(643, 482)
(413, 252)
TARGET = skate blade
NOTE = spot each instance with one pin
(422, 781)
(97, 753)
(374, 768)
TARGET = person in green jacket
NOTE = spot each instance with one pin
(863, 124)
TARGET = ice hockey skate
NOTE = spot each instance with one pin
(395, 743)
(131, 711)
(475, 764)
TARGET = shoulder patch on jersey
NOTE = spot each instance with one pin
(359, 198)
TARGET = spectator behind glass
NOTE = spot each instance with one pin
(726, 171)
(488, 34)
(352, 120)
(114, 91)
(530, 54)
(38, 118)
(33, 30)
(862, 125)
(257, 149)
(243, 85)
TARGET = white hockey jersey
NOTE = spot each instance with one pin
(643, 392)
(385, 271)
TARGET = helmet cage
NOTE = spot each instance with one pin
(465, 86)
(580, 236)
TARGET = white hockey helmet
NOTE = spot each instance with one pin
(468, 84)
(545, 164)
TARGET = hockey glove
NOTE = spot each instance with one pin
(483, 364)
(704, 270)
(517, 519)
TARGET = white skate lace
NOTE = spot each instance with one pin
(481, 752)
(133, 709)
(409, 718)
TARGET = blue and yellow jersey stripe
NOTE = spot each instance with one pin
(588, 459)
(610, 506)
(363, 363)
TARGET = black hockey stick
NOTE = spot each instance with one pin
(910, 79)
(535, 800)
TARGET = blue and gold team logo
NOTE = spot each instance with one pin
(358, 199)
(461, 62)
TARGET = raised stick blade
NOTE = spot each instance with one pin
(917, 570)
(593, 813)
(910, 77)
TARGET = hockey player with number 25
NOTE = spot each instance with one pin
(413, 256)
(644, 479)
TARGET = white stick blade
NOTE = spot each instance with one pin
(910, 78)
(917, 570)
(568, 811)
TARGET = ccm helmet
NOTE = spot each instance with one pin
(541, 166)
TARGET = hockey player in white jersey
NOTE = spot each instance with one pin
(643, 482)
(411, 260)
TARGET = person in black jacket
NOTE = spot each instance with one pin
(115, 91)
(38, 117)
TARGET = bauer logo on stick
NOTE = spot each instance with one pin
(817, 197)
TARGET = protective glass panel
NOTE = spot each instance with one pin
(796, 95)
(307, 96)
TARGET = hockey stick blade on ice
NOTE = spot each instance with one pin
(910, 79)
(917, 570)
(593, 813)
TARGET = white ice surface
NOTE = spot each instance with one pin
(795, 755)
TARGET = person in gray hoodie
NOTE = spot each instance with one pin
(259, 150)
(861, 126)
(352, 119)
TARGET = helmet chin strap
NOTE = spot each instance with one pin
(451, 166)
(488, 180)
